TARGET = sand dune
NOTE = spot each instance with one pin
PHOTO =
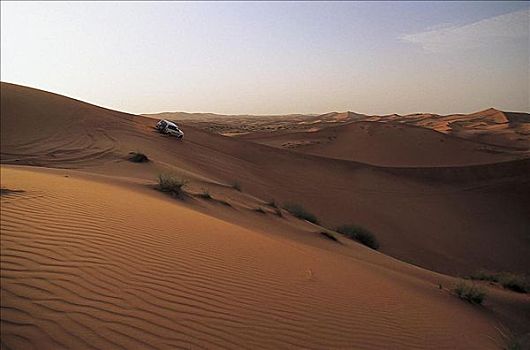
(86, 264)
(233, 125)
(38, 125)
(453, 201)
(508, 130)
(491, 126)
(386, 144)
(93, 256)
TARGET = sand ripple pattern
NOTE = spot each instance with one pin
(87, 265)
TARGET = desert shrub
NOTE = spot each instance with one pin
(517, 283)
(512, 281)
(259, 210)
(138, 157)
(299, 212)
(483, 275)
(171, 184)
(329, 235)
(360, 234)
(470, 292)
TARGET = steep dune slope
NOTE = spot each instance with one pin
(452, 219)
(87, 264)
(38, 125)
(386, 144)
(495, 127)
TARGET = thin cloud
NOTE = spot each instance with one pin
(514, 25)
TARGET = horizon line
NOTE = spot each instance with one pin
(256, 115)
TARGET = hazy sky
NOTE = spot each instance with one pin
(273, 58)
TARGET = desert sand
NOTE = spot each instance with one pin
(382, 143)
(494, 130)
(93, 256)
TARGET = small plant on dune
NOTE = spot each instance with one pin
(483, 275)
(138, 157)
(171, 184)
(236, 185)
(205, 195)
(359, 234)
(300, 212)
(516, 282)
(470, 292)
(259, 210)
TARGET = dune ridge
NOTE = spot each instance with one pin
(94, 257)
(271, 173)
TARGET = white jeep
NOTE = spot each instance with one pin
(170, 128)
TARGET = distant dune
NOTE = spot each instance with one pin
(386, 144)
(509, 129)
(492, 127)
(94, 256)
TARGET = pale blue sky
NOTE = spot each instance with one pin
(273, 57)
